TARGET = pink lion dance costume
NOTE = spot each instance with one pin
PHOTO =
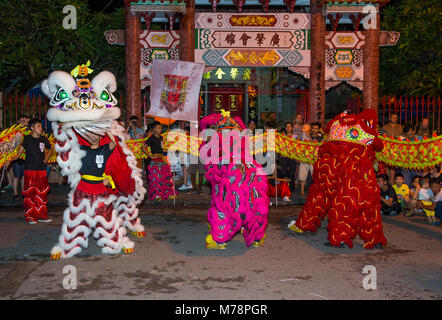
(344, 184)
(239, 189)
(83, 110)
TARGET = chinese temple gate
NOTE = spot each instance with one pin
(326, 41)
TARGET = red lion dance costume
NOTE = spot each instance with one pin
(82, 111)
(344, 184)
(239, 190)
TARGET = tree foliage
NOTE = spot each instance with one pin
(33, 41)
(414, 65)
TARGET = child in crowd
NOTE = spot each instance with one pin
(437, 198)
(389, 204)
(311, 134)
(424, 197)
(414, 191)
(402, 192)
(278, 186)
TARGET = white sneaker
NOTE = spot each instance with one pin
(185, 187)
(32, 222)
(44, 220)
(286, 199)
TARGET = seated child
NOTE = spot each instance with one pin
(414, 191)
(436, 200)
(283, 186)
(435, 186)
(424, 197)
(402, 192)
(389, 203)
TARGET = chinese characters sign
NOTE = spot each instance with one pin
(229, 99)
(228, 74)
(276, 39)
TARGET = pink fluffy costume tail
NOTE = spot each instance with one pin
(160, 180)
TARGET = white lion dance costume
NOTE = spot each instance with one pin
(83, 111)
(239, 189)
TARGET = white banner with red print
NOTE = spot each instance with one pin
(175, 89)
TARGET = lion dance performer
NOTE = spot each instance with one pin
(239, 189)
(161, 186)
(92, 152)
(344, 184)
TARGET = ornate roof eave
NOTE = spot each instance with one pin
(381, 3)
(156, 5)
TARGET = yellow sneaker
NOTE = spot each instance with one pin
(259, 243)
(211, 244)
(128, 250)
(138, 234)
(56, 256)
(293, 227)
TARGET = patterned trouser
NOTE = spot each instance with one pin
(35, 192)
(91, 212)
(160, 180)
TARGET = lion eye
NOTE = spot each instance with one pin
(104, 96)
(61, 95)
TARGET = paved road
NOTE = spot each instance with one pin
(172, 262)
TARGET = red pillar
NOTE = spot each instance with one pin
(187, 33)
(133, 56)
(371, 66)
(317, 66)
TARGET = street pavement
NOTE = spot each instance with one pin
(171, 262)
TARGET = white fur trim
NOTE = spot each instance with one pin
(58, 79)
(103, 80)
(103, 114)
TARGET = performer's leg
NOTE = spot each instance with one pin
(29, 198)
(318, 199)
(154, 181)
(223, 220)
(76, 227)
(370, 226)
(109, 229)
(129, 214)
(314, 210)
(41, 198)
(342, 220)
(166, 181)
(370, 221)
(256, 220)
(35, 192)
